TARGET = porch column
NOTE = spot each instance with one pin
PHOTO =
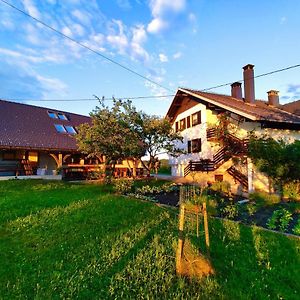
(250, 175)
(60, 160)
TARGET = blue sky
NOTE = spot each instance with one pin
(195, 44)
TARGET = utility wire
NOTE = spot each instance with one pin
(86, 47)
(128, 69)
(89, 99)
(158, 96)
(257, 76)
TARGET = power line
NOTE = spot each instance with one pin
(86, 47)
(257, 76)
(158, 96)
(89, 99)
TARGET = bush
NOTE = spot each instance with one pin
(263, 198)
(221, 186)
(280, 219)
(291, 190)
(296, 229)
(230, 211)
(123, 186)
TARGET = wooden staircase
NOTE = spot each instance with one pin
(237, 147)
(238, 176)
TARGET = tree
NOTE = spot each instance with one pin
(122, 132)
(158, 135)
(277, 159)
(110, 134)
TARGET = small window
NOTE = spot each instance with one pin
(196, 118)
(52, 115)
(60, 128)
(182, 124)
(62, 116)
(70, 129)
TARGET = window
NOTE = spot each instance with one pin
(70, 129)
(188, 122)
(61, 116)
(196, 118)
(60, 128)
(182, 124)
(194, 146)
(52, 115)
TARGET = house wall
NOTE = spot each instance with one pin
(208, 118)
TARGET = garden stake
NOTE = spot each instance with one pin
(206, 226)
(180, 240)
(197, 211)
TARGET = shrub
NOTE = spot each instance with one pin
(221, 186)
(230, 211)
(280, 219)
(123, 186)
(291, 190)
(296, 229)
(263, 198)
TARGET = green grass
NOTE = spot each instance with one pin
(63, 240)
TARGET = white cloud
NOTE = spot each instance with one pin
(118, 40)
(159, 7)
(51, 84)
(177, 55)
(78, 29)
(139, 34)
(282, 20)
(160, 10)
(157, 25)
(124, 4)
(30, 7)
(84, 18)
(67, 31)
(163, 57)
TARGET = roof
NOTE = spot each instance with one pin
(292, 107)
(30, 127)
(259, 111)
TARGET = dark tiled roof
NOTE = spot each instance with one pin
(259, 111)
(292, 107)
(30, 127)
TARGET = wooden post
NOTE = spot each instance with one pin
(206, 226)
(197, 220)
(180, 240)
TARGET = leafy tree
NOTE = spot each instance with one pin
(277, 159)
(157, 136)
(122, 132)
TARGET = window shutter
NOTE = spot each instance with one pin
(176, 126)
(188, 122)
(199, 117)
(189, 147)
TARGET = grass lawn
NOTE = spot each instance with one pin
(64, 240)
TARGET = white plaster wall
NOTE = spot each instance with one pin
(199, 131)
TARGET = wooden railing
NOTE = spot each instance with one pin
(238, 176)
(235, 146)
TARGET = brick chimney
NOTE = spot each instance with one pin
(273, 98)
(236, 90)
(249, 83)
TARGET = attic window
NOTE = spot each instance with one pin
(60, 128)
(70, 129)
(61, 116)
(52, 115)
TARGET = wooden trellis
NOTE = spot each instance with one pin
(191, 206)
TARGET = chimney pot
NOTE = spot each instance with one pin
(249, 83)
(236, 90)
(273, 98)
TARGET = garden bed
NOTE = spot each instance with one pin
(270, 213)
